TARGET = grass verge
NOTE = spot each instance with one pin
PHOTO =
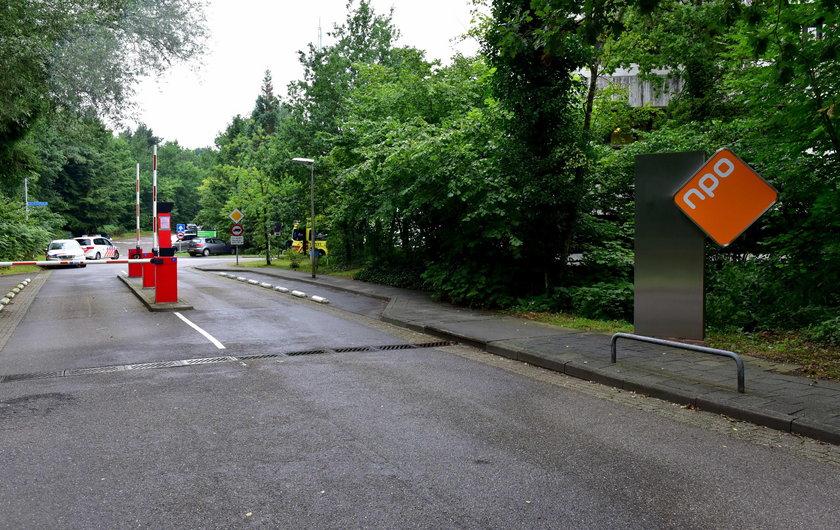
(303, 266)
(20, 269)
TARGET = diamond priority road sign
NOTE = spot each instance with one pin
(724, 197)
(236, 216)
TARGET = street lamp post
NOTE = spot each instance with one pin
(312, 254)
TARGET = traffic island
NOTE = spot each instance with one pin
(147, 296)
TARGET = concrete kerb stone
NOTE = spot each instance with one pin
(731, 408)
(147, 296)
(341, 288)
(266, 285)
(815, 429)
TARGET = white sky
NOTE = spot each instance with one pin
(249, 36)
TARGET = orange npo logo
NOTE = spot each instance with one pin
(725, 197)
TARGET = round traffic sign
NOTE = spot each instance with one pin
(236, 230)
(180, 235)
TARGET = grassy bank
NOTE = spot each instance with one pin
(324, 266)
(20, 269)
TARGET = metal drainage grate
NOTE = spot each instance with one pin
(397, 347)
(306, 352)
(350, 350)
(210, 360)
(259, 356)
(213, 360)
(34, 375)
(438, 344)
(96, 370)
(161, 364)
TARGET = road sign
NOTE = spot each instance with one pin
(206, 233)
(724, 197)
(36, 203)
(236, 230)
(237, 240)
(180, 227)
(180, 234)
(236, 216)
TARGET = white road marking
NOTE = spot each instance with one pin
(207, 336)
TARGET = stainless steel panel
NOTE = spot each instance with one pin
(670, 250)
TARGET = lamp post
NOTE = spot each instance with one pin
(312, 254)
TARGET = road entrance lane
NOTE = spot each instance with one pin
(403, 439)
(87, 318)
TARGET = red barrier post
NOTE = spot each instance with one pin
(148, 272)
(166, 272)
(135, 270)
(164, 225)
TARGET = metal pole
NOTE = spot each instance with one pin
(313, 258)
(154, 201)
(137, 205)
(26, 195)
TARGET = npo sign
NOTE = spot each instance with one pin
(724, 197)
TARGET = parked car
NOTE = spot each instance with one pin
(106, 235)
(96, 247)
(207, 245)
(182, 244)
(66, 250)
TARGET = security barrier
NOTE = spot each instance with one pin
(161, 272)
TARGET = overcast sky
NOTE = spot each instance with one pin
(249, 36)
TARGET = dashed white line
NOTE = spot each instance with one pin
(207, 336)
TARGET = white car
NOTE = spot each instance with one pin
(96, 247)
(66, 250)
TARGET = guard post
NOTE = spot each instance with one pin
(166, 276)
(135, 270)
(164, 224)
(148, 271)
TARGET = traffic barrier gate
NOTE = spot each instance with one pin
(163, 268)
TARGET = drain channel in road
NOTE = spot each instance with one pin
(213, 360)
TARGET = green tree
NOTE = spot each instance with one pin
(85, 56)
(318, 100)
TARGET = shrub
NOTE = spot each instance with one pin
(294, 258)
(827, 332)
(603, 301)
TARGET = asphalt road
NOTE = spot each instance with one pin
(410, 438)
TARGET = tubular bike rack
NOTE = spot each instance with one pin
(702, 349)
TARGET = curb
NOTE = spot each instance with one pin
(296, 279)
(276, 288)
(147, 297)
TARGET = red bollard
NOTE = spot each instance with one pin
(148, 271)
(166, 274)
(135, 270)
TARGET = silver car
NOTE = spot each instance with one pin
(66, 250)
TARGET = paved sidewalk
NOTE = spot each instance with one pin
(773, 398)
(12, 314)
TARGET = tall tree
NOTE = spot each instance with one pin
(330, 72)
(84, 56)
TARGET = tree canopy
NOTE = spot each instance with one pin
(500, 180)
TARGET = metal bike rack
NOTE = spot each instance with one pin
(702, 349)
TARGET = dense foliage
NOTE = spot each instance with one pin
(499, 180)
